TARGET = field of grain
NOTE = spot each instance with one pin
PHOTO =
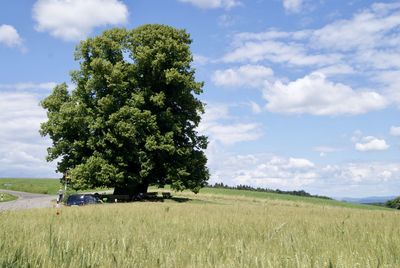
(206, 231)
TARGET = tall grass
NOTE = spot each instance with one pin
(212, 232)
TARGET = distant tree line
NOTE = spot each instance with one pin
(395, 203)
(259, 189)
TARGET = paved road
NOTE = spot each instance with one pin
(27, 201)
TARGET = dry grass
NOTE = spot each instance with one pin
(211, 232)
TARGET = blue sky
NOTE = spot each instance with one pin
(300, 94)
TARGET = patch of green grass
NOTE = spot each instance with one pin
(7, 197)
(39, 186)
(233, 193)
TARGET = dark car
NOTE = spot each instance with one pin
(82, 199)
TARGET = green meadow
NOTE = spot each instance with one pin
(51, 186)
(215, 228)
(38, 186)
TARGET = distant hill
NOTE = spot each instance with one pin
(368, 200)
(267, 190)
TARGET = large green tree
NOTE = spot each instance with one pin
(131, 120)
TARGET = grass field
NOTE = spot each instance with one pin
(7, 197)
(211, 229)
(284, 197)
(51, 186)
(39, 186)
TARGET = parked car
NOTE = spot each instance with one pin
(82, 199)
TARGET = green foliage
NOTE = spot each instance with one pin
(395, 203)
(131, 119)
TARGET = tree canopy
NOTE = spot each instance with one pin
(394, 203)
(131, 120)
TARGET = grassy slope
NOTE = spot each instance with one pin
(285, 197)
(39, 186)
(51, 186)
(226, 193)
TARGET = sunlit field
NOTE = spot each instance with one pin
(204, 230)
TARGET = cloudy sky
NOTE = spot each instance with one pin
(301, 94)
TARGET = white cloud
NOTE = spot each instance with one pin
(200, 59)
(370, 28)
(229, 134)
(29, 86)
(255, 108)
(292, 6)
(357, 135)
(327, 149)
(262, 170)
(22, 150)
(362, 174)
(215, 112)
(390, 81)
(299, 163)
(9, 36)
(279, 52)
(336, 69)
(379, 59)
(246, 75)
(369, 39)
(220, 127)
(72, 20)
(371, 143)
(20, 114)
(369, 36)
(286, 173)
(226, 20)
(211, 4)
(395, 131)
(324, 150)
(365, 47)
(314, 94)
